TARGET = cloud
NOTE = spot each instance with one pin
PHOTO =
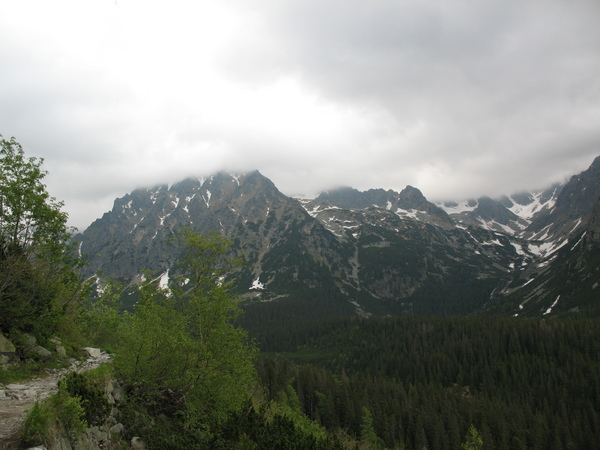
(456, 98)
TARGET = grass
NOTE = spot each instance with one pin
(28, 370)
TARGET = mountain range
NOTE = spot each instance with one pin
(367, 252)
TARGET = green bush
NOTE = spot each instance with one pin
(94, 403)
(40, 425)
(47, 419)
(179, 351)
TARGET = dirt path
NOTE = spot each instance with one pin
(17, 398)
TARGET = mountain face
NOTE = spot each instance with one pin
(513, 215)
(567, 283)
(372, 252)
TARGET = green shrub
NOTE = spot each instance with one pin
(47, 419)
(92, 400)
(40, 425)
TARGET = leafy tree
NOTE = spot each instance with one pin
(30, 218)
(179, 350)
(37, 283)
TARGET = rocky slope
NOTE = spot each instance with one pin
(566, 282)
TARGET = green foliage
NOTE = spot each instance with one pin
(288, 405)
(267, 428)
(522, 383)
(30, 218)
(179, 352)
(91, 397)
(473, 440)
(47, 419)
(367, 432)
(27, 370)
(101, 316)
(40, 425)
(37, 283)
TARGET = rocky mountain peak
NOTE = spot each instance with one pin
(411, 198)
(489, 209)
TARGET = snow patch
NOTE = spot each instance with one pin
(549, 310)
(163, 282)
(526, 283)
(576, 225)
(494, 242)
(526, 212)
(187, 202)
(207, 198)
(519, 249)
(257, 285)
(580, 239)
(411, 213)
(457, 208)
(546, 248)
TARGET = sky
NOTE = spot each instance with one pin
(457, 98)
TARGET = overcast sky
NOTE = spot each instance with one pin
(457, 98)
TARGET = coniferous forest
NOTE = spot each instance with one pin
(422, 382)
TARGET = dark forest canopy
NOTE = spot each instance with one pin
(523, 383)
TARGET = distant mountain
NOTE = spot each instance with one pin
(408, 203)
(573, 207)
(512, 215)
(568, 283)
(347, 251)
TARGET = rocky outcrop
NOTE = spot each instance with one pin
(26, 346)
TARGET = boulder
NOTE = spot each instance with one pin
(60, 351)
(92, 352)
(118, 394)
(138, 444)
(40, 352)
(8, 352)
(118, 428)
(6, 346)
